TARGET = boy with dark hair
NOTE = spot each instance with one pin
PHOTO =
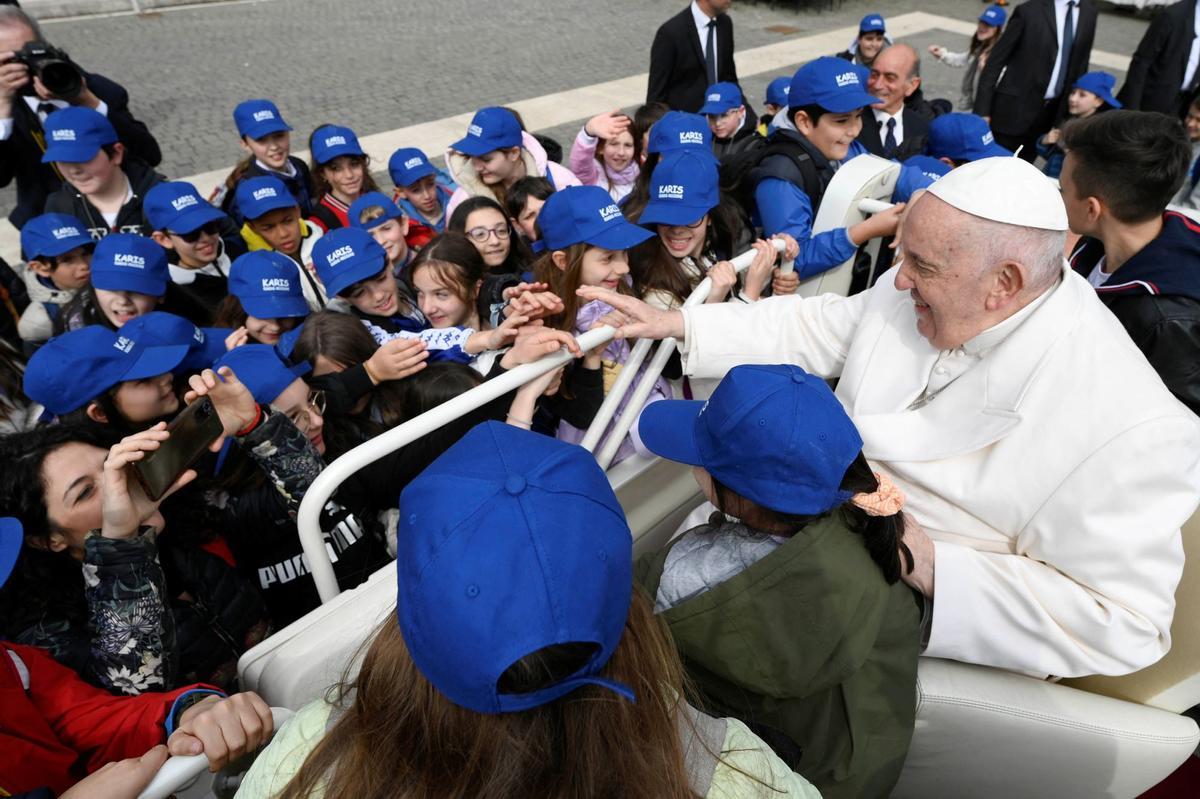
(524, 202)
(422, 191)
(1121, 170)
(58, 255)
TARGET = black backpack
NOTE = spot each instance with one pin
(741, 172)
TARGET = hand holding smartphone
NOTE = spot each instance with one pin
(192, 432)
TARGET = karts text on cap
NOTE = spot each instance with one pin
(129, 262)
(679, 130)
(586, 215)
(508, 543)
(176, 206)
(962, 137)
(721, 97)
(74, 135)
(831, 83)
(52, 235)
(777, 91)
(994, 15)
(408, 165)
(1100, 84)
(491, 129)
(262, 371)
(1008, 190)
(162, 329)
(684, 187)
(872, 23)
(71, 370)
(331, 141)
(373, 199)
(258, 118)
(267, 284)
(260, 195)
(345, 256)
(774, 434)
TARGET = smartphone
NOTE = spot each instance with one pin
(192, 431)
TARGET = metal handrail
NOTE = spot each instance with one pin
(308, 519)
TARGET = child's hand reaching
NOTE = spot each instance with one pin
(758, 274)
(534, 342)
(535, 305)
(1051, 137)
(724, 278)
(495, 338)
(607, 125)
(237, 338)
(396, 359)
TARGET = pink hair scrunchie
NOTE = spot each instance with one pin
(887, 500)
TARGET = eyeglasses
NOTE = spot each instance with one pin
(211, 229)
(482, 234)
(302, 417)
(692, 225)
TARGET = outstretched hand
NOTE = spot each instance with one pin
(644, 321)
(607, 125)
(120, 779)
(233, 402)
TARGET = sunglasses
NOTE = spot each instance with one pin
(210, 229)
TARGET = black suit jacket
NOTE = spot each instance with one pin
(916, 132)
(1014, 82)
(678, 75)
(1157, 69)
(21, 155)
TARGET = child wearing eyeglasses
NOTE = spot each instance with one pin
(490, 230)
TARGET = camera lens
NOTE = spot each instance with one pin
(61, 78)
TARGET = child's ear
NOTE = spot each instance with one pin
(559, 258)
(96, 413)
(802, 122)
(514, 154)
(55, 542)
(245, 147)
(163, 240)
(404, 225)
(118, 155)
(41, 268)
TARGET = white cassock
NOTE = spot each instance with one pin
(1052, 471)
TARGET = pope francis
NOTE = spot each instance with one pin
(1047, 468)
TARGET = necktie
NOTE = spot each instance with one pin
(710, 52)
(1064, 52)
(889, 141)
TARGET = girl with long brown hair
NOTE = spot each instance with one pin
(987, 33)
(505, 680)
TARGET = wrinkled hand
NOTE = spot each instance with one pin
(607, 125)
(784, 283)
(758, 274)
(921, 546)
(643, 321)
(237, 338)
(723, 278)
(397, 359)
(223, 729)
(124, 506)
(121, 779)
(233, 402)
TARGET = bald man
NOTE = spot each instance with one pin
(1047, 469)
(893, 130)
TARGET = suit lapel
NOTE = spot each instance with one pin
(869, 135)
(693, 36)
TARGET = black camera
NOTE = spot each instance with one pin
(59, 74)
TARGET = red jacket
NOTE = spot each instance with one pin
(59, 728)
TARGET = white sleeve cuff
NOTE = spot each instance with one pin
(6, 129)
(102, 108)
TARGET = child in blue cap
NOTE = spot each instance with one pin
(825, 106)
(58, 255)
(266, 299)
(267, 140)
(787, 605)
(273, 222)
(423, 192)
(774, 102)
(987, 33)
(1091, 94)
(341, 174)
(675, 130)
(872, 36)
(533, 666)
(608, 153)
(377, 214)
(732, 130)
(101, 187)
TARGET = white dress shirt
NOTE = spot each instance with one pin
(1060, 17)
(6, 125)
(1194, 53)
(881, 119)
(702, 21)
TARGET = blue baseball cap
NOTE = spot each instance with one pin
(678, 130)
(832, 83)
(916, 173)
(774, 434)
(345, 256)
(408, 165)
(52, 235)
(162, 329)
(267, 283)
(129, 262)
(777, 91)
(508, 543)
(684, 187)
(75, 134)
(871, 23)
(331, 141)
(262, 371)
(12, 536)
(721, 97)
(962, 137)
(491, 129)
(258, 118)
(71, 370)
(1100, 84)
(372, 199)
(994, 15)
(176, 206)
(586, 214)
(261, 195)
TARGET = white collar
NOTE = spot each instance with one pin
(884, 116)
(988, 339)
(288, 171)
(33, 101)
(701, 19)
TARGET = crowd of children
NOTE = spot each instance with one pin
(314, 310)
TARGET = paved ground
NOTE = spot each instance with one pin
(378, 65)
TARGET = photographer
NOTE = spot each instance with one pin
(26, 101)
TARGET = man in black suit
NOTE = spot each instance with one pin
(24, 104)
(1024, 87)
(692, 51)
(890, 129)
(1162, 74)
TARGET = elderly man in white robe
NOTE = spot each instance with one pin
(1047, 468)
